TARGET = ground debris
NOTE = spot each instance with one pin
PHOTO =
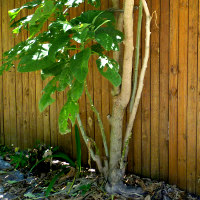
(88, 185)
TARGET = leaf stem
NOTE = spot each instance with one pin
(96, 158)
(137, 54)
(98, 118)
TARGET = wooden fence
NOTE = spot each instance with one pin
(166, 142)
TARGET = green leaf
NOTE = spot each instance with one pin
(23, 22)
(60, 25)
(85, 188)
(54, 70)
(109, 69)
(116, 35)
(40, 16)
(81, 36)
(55, 178)
(65, 79)
(86, 17)
(69, 111)
(29, 5)
(35, 58)
(97, 48)
(58, 44)
(79, 64)
(109, 38)
(46, 98)
(105, 40)
(11, 182)
(94, 18)
(78, 147)
(30, 195)
(76, 90)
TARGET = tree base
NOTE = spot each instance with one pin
(124, 190)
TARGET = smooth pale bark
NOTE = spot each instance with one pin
(120, 102)
(141, 83)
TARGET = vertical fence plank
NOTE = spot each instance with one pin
(32, 108)
(182, 92)
(198, 113)
(19, 114)
(53, 122)
(83, 108)
(46, 112)
(40, 120)
(164, 87)
(192, 94)
(5, 47)
(155, 72)
(90, 114)
(60, 103)
(135, 147)
(25, 82)
(12, 87)
(146, 112)
(173, 63)
(46, 116)
(2, 139)
(32, 103)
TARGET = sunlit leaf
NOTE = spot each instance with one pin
(29, 5)
(79, 64)
(76, 90)
(69, 111)
(109, 69)
(46, 98)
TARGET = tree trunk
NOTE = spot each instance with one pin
(120, 102)
(115, 176)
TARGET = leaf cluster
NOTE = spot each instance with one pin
(63, 51)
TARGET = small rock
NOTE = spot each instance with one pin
(4, 165)
(9, 196)
(1, 189)
(14, 176)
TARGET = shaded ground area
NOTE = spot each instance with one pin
(63, 181)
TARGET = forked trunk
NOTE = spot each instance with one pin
(118, 155)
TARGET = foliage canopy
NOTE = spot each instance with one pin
(63, 51)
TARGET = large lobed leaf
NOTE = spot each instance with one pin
(109, 69)
(69, 111)
(79, 64)
(109, 38)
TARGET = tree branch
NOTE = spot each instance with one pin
(141, 81)
(128, 53)
(99, 120)
(137, 54)
(96, 158)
